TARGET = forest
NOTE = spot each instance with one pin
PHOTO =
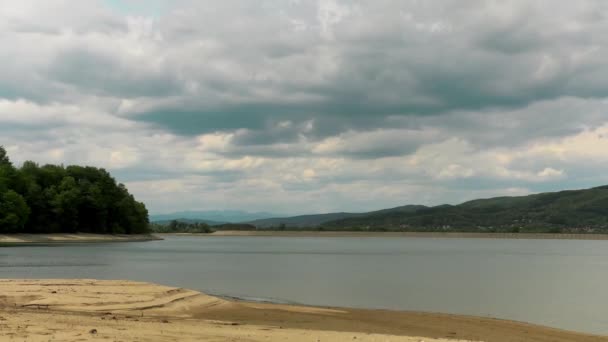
(571, 211)
(56, 199)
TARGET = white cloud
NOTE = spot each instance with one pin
(311, 105)
(550, 173)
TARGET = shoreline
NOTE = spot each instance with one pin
(8, 240)
(520, 236)
(69, 310)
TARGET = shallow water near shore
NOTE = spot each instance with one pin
(550, 282)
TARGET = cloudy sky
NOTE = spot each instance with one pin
(297, 106)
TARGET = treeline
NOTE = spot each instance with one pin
(176, 226)
(194, 227)
(57, 199)
(235, 226)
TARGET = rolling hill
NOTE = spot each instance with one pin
(301, 221)
(564, 211)
(312, 221)
(576, 211)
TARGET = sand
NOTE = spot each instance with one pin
(90, 310)
(43, 239)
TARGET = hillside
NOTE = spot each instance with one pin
(311, 221)
(564, 211)
(300, 221)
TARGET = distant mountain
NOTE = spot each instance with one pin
(316, 220)
(215, 216)
(572, 211)
(565, 211)
(300, 221)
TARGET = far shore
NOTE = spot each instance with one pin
(90, 310)
(268, 233)
(47, 239)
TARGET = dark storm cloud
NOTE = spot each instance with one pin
(99, 73)
(367, 64)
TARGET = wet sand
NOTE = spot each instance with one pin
(88, 310)
(46, 239)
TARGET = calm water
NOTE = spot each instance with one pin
(552, 282)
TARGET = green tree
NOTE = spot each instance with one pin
(4, 160)
(65, 203)
(54, 198)
(14, 212)
(7, 171)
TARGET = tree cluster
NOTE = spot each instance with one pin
(57, 199)
(176, 226)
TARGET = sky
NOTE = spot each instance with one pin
(308, 106)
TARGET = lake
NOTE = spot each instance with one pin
(559, 283)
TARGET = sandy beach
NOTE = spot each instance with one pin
(44, 239)
(89, 310)
(403, 234)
